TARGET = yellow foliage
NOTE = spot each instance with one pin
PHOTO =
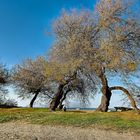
(131, 66)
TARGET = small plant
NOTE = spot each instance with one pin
(8, 103)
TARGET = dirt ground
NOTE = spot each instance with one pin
(25, 131)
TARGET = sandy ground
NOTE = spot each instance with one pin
(24, 131)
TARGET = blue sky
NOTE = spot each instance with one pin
(23, 26)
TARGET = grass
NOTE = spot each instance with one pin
(121, 121)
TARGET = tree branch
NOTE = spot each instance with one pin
(132, 101)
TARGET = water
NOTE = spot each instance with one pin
(78, 108)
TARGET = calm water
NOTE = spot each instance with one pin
(74, 108)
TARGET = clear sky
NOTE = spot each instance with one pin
(23, 26)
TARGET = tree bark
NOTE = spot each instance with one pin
(56, 99)
(33, 99)
(132, 101)
(58, 96)
(106, 94)
(63, 98)
(2, 80)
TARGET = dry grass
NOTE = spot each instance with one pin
(120, 121)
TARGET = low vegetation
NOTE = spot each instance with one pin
(120, 121)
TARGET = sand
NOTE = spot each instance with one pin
(25, 131)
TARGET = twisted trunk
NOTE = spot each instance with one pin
(58, 96)
(2, 80)
(33, 99)
(63, 98)
(132, 101)
(56, 99)
(106, 94)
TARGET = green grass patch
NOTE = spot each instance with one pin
(126, 121)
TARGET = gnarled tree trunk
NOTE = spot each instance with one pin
(63, 98)
(2, 80)
(106, 94)
(132, 101)
(56, 99)
(33, 99)
(58, 96)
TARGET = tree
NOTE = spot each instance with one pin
(29, 78)
(4, 79)
(119, 45)
(3, 74)
(60, 55)
(67, 81)
(100, 42)
(57, 74)
(131, 82)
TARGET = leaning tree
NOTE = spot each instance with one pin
(58, 73)
(29, 79)
(70, 60)
(119, 44)
(67, 81)
(4, 79)
(99, 42)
